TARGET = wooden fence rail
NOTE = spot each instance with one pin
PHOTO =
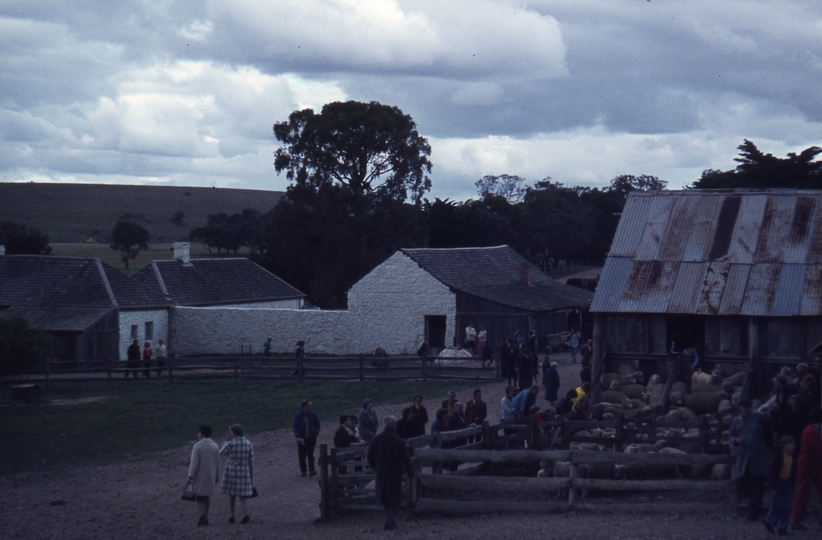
(356, 367)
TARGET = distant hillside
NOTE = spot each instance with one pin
(71, 213)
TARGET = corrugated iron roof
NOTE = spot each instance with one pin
(716, 252)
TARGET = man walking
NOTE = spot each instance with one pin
(389, 457)
(204, 471)
(306, 429)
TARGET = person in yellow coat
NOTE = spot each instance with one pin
(204, 471)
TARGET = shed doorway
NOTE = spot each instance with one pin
(435, 333)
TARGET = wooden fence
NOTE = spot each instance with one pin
(518, 444)
(360, 367)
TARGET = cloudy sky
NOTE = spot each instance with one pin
(186, 92)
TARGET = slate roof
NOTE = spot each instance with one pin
(716, 252)
(65, 293)
(205, 282)
(496, 274)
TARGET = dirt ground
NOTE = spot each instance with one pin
(140, 498)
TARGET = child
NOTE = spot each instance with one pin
(780, 479)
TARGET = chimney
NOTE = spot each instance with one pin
(182, 252)
(525, 272)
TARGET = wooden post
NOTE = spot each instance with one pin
(486, 435)
(334, 488)
(574, 472)
(323, 481)
(236, 367)
(48, 373)
(300, 368)
(362, 367)
(169, 359)
(425, 367)
(438, 464)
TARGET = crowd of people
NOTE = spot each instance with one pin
(779, 446)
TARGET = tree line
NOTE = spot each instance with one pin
(358, 176)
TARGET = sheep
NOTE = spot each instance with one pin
(633, 391)
(607, 378)
(678, 389)
(599, 410)
(648, 471)
(686, 413)
(700, 377)
(704, 403)
(610, 396)
(653, 381)
(639, 377)
(736, 379)
(673, 415)
(703, 387)
(625, 369)
(721, 471)
(615, 385)
(725, 408)
(638, 404)
(639, 448)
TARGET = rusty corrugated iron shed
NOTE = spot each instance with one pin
(716, 252)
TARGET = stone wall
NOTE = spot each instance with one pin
(159, 320)
(387, 309)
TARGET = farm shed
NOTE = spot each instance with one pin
(225, 282)
(81, 302)
(735, 274)
(495, 287)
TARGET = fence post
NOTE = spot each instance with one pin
(300, 367)
(169, 359)
(324, 481)
(486, 435)
(236, 367)
(425, 367)
(109, 370)
(48, 373)
(362, 367)
(333, 487)
(574, 472)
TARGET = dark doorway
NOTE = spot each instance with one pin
(435, 332)
(686, 331)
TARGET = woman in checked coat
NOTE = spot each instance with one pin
(239, 470)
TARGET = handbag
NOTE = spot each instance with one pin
(188, 493)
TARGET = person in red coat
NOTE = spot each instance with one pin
(809, 468)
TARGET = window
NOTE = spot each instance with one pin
(134, 331)
(149, 330)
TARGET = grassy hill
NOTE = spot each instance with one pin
(75, 213)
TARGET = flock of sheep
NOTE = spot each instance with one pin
(627, 395)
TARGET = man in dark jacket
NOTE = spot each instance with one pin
(388, 457)
(419, 417)
(133, 358)
(306, 428)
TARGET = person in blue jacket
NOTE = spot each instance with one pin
(306, 429)
(525, 400)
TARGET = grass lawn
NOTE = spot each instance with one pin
(147, 415)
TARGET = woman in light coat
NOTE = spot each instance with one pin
(239, 470)
(204, 471)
